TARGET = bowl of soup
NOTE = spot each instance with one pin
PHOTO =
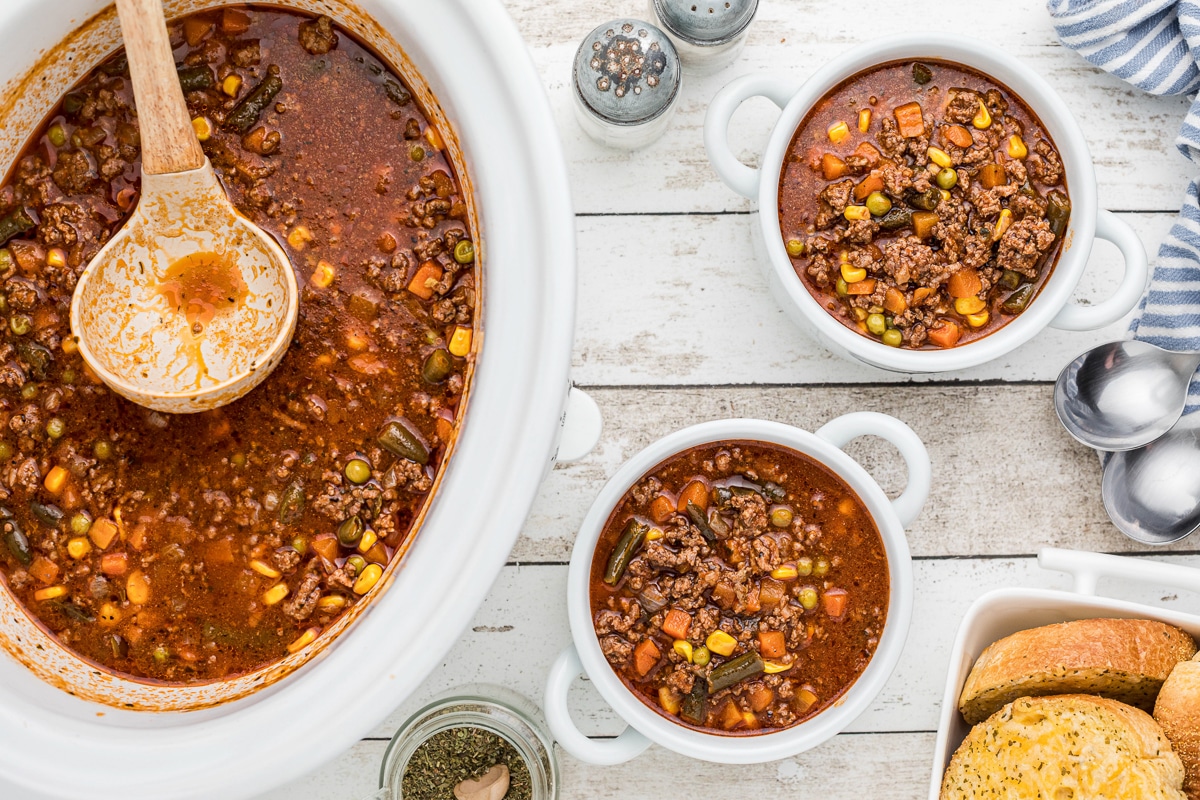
(739, 591)
(926, 203)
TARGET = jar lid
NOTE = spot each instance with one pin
(627, 72)
(706, 22)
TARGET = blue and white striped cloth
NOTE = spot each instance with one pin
(1155, 45)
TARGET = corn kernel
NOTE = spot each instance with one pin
(78, 547)
(264, 569)
(978, 320)
(231, 85)
(940, 157)
(856, 213)
(332, 602)
(323, 275)
(785, 573)
(137, 587)
(370, 576)
(1016, 147)
(749, 719)
(684, 649)
(303, 640)
(368, 540)
(983, 118)
(56, 479)
(721, 643)
(460, 342)
(945, 195)
(203, 128)
(1002, 224)
(434, 138)
(70, 346)
(860, 314)
(669, 700)
(109, 614)
(853, 274)
(299, 237)
(275, 594)
(57, 257)
(773, 667)
(838, 132)
(50, 593)
(969, 305)
(864, 120)
(654, 534)
(356, 342)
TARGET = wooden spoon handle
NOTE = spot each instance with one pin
(169, 142)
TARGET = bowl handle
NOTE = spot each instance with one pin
(579, 427)
(1088, 568)
(603, 752)
(838, 432)
(735, 174)
(1074, 317)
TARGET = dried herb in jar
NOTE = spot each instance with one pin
(458, 754)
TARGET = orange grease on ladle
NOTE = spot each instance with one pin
(202, 285)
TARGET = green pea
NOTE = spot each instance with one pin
(238, 460)
(300, 543)
(808, 598)
(103, 449)
(843, 288)
(20, 324)
(161, 654)
(417, 153)
(821, 567)
(878, 204)
(876, 324)
(56, 135)
(893, 337)
(6, 259)
(358, 471)
(6, 450)
(947, 178)
(29, 391)
(55, 428)
(68, 376)
(795, 248)
(701, 656)
(1010, 279)
(781, 517)
(356, 564)
(804, 566)
(464, 252)
(81, 523)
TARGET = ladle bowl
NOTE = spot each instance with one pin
(1152, 494)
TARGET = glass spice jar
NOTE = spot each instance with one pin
(492, 709)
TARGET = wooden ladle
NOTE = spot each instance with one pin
(190, 305)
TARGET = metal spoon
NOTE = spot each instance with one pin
(1123, 395)
(1152, 494)
(190, 305)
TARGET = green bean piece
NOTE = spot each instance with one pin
(291, 505)
(193, 79)
(350, 532)
(72, 103)
(694, 708)
(437, 366)
(696, 515)
(1018, 300)
(14, 223)
(358, 471)
(14, 539)
(48, 514)
(921, 73)
(464, 252)
(396, 93)
(896, 219)
(37, 356)
(878, 204)
(736, 670)
(926, 201)
(399, 440)
(722, 495)
(1058, 212)
(246, 113)
(627, 546)
(1010, 279)
(116, 643)
(71, 610)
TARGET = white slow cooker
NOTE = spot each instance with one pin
(244, 740)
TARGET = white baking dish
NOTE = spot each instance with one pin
(1005, 611)
(465, 59)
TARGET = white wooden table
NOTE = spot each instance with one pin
(675, 326)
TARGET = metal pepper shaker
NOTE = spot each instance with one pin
(708, 34)
(626, 79)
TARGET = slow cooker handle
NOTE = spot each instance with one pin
(603, 752)
(1074, 317)
(1087, 568)
(735, 174)
(839, 432)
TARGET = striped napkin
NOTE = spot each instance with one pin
(1154, 44)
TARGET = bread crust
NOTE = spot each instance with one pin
(1065, 746)
(1124, 659)
(1178, 712)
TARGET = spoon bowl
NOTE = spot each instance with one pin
(1152, 494)
(1123, 395)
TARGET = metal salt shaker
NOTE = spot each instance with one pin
(708, 34)
(626, 79)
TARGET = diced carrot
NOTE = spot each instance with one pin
(833, 167)
(44, 570)
(753, 604)
(326, 546)
(964, 283)
(910, 120)
(731, 716)
(771, 594)
(865, 286)
(428, 272)
(871, 183)
(234, 22)
(835, 602)
(220, 428)
(219, 551)
(377, 554)
(137, 537)
(695, 492)
(724, 595)
(645, 656)
(677, 624)
(921, 293)
(893, 301)
(992, 175)
(771, 644)
(760, 698)
(445, 429)
(923, 223)
(661, 508)
(102, 533)
(195, 29)
(114, 563)
(945, 334)
(959, 136)
(868, 151)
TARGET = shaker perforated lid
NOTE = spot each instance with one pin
(627, 72)
(706, 22)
